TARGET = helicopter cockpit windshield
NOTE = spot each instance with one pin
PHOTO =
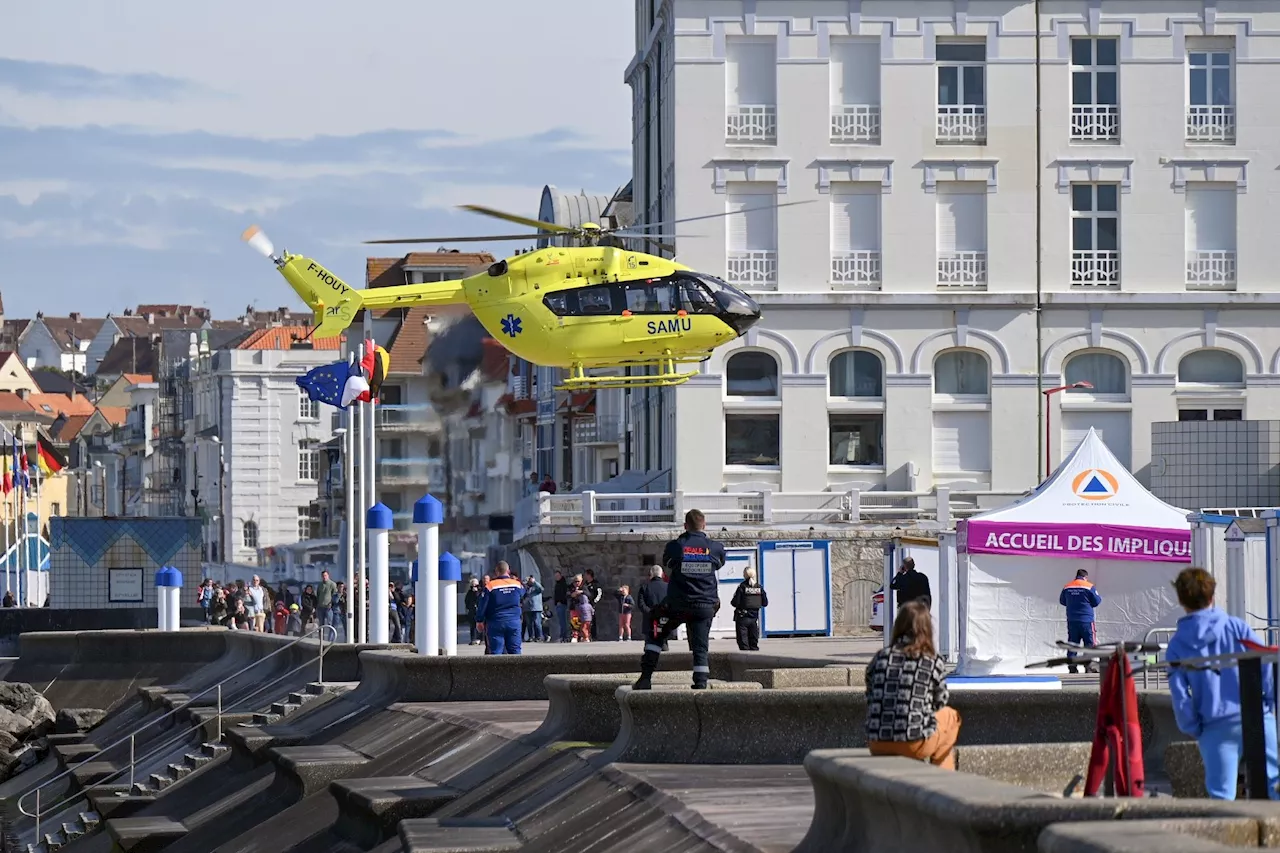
(737, 308)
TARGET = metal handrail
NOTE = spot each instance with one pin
(167, 744)
(132, 736)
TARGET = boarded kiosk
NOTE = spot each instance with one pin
(1013, 562)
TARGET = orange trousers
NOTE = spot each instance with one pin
(939, 749)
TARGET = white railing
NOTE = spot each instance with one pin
(601, 429)
(751, 123)
(757, 270)
(858, 270)
(967, 123)
(1095, 122)
(962, 270)
(1211, 270)
(855, 123)
(1095, 269)
(1211, 124)
(852, 506)
(408, 472)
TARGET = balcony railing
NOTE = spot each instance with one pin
(858, 270)
(1095, 269)
(1211, 270)
(752, 123)
(964, 123)
(406, 472)
(1211, 124)
(602, 429)
(962, 270)
(1095, 122)
(756, 269)
(855, 123)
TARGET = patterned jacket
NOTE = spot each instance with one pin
(903, 694)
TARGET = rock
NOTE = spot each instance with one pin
(8, 742)
(9, 764)
(25, 701)
(15, 725)
(72, 720)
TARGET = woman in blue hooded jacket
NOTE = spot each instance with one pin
(1206, 702)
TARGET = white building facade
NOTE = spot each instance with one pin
(908, 330)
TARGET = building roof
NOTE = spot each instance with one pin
(138, 378)
(389, 272)
(114, 415)
(408, 344)
(139, 326)
(70, 332)
(61, 404)
(130, 355)
(52, 381)
(14, 407)
(495, 363)
(16, 327)
(284, 337)
(70, 428)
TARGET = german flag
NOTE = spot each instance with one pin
(50, 459)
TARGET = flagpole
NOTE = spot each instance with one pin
(38, 477)
(20, 486)
(357, 520)
(348, 472)
(8, 558)
(374, 595)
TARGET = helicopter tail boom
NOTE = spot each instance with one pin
(334, 302)
(404, 295)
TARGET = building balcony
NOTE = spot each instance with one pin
(856, 270)
(396, 419)
(751, 124)
(601, 429)
(1095, 269)
(853, 123)
(1095, 123)
(753, 270)
(962, 270)
(406, 472)
(1214, 270)
(963, 123)
(474, 482)
(1211, 124)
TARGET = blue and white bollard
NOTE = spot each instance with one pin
(174, 593)
(162, 599)
(450, 574)
(428, 514)
(378, 522)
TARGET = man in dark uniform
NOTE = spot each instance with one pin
(693, 596)
(1081, 598)
(651, 595)
(911, 585)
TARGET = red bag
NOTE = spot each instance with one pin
(1117, 730)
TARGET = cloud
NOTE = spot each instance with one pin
(77, 81)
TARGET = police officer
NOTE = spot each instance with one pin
(1080, 597)
(500, 612)
(747, 601)
(693, 597)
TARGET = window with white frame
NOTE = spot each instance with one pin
(752, 233)
(1211, 113)
(308, 460)
(752, 420)
(1105, 372)
(856, 373)
(962, 234)
(855, 235)
(962, 95)
(962, 415)
(250, 534)
(1095, 235)
(751, 89)
(1095, 407)
(856, 438)
(304, 523)
(1211, 369)
(1095, 90)
(752, 438)
(1211, 236)
(855, 90)
(308, 409)
(962, 373)
(855, 416)
(751, 374)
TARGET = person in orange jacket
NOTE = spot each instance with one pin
(281, 617)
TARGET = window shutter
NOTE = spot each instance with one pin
(751, 71)
(751, 227)
(962, 217)
(855, 72)
(855, 217)
(961, 442)
(1211, 218)
(1114, 428)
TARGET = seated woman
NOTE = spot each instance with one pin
(907, 711)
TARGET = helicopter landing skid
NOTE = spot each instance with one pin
(579, 380)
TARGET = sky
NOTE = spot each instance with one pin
(138, 140)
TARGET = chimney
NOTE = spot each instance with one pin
(22, 393)
(75, 316)
(151, 318)
(192, 349)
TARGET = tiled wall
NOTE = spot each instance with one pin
(86, 549)
(1216, 464)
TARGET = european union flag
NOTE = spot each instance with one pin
(324, 384)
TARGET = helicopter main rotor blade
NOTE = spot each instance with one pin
(662, 236)
(493, 238)
(519, 220)
(718, 215)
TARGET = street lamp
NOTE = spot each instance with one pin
(1048, 393)
(222, 498)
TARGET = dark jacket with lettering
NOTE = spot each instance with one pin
(748, 599)
(691, 561)
(911, 586)
(501, 602)
(1079, 597)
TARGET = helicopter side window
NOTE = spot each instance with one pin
(651, 297)
(596, 300)
(558, 304)
(696, 298)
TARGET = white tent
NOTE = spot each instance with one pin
(1091, 514)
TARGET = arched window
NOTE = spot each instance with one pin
(751, 374)
(1211, 367)
(1105, 371)
(251, 534)
(961, 372)
(856, 373)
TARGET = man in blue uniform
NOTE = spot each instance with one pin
(1080, 597)
(500, 612)
(692, 561)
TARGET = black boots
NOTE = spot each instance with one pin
(644, 682)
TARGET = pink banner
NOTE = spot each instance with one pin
(1077, 541)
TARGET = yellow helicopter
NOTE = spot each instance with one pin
(582, 308)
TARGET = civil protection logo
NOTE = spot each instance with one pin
(1095, 484)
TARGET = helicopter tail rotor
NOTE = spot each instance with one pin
(334, 302)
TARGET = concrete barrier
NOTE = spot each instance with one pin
(867, 805)
(1191, 835)
(1054, 768)
(585, 708)
(821, 676)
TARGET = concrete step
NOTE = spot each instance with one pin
(179, 771)
(284, 709)
(261, 719)
(196, 760)
(213, 750)
(90, 820)
(159, 781)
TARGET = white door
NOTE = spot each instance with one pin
(778, 579)
(730, 575)
(811, 590)
(1114, 428)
